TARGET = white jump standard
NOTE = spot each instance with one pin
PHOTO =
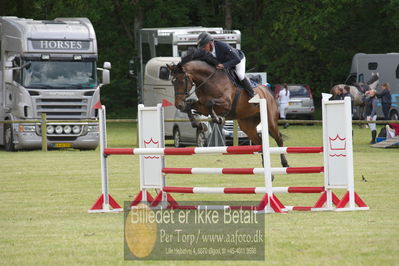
(337, 168)
(105, 202)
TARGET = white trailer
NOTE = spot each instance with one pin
(387, 65)
(49, 66)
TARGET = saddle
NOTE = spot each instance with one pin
(362, 87)
(231, 73)
(233, 77)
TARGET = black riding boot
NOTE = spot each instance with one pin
(248, 87)
(373, 136)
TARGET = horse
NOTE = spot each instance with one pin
(219, 97)
(358, 91)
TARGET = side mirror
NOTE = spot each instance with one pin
(164, 73)
(16, 62)
(134, 67)
(131, 68)
(107, 65)
(105, 78)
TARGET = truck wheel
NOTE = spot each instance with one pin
(177, 137)
(201, 139)
(394, 115)
(8, 138)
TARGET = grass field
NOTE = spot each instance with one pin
(45, 197)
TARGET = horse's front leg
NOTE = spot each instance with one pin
(194, 122)
(193, 105)
(215, 118)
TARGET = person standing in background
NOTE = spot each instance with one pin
(346, 93)
(386, 99)
(283, 98)
(371, 113)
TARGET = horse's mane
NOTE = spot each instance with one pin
(198, 54)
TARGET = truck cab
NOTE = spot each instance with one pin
(49, 66)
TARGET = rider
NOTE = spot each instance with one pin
(228, 57)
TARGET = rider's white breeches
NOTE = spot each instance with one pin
(240, 69)
(372, 125)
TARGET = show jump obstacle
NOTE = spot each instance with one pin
(337, 169)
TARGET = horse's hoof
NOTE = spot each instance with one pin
(203, 127)
(220, 120)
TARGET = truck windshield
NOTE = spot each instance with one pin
(60, 75)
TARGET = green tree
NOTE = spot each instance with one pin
(295, 41)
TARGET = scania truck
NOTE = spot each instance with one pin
(49, 66)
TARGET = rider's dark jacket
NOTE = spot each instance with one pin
(227, 55)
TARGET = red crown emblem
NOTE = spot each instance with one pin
(151, 144)
(337, 144)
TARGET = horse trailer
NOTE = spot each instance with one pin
(387, 65)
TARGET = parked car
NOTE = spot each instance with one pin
(185, 134)
(228, 131)
(301, 100)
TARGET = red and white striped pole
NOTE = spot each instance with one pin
(210, 150)
(241, 190)
(243, 171)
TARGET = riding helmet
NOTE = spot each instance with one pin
(203, 39)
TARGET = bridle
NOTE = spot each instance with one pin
(187, 80)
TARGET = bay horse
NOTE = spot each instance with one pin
(220, 98)
(358, 91)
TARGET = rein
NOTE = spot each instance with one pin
(206, 80)
(186, 92)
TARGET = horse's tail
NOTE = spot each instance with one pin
(265, 93)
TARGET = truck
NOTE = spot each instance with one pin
(387, 65)
(161, 46)
(49, 66)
